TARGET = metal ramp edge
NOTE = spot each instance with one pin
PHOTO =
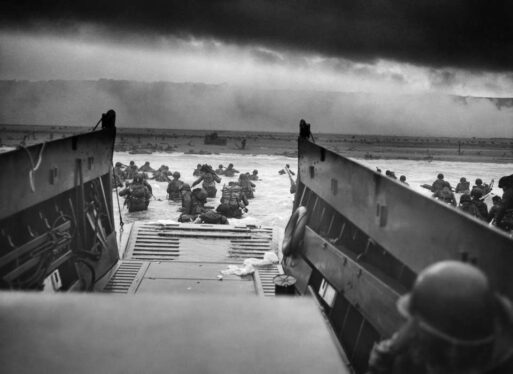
(263, 278)
(126, 277)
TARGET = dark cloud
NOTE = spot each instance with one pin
(468, 34)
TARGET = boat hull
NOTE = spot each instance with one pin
(57, 213)
(366, 238)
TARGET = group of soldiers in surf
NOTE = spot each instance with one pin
(234, 199)
(472, 200)
(233, 203)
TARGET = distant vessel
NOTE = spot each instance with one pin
(355, 241)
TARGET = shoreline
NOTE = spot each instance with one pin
(289, 149)
(368, 147)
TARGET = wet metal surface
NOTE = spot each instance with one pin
(190, 258)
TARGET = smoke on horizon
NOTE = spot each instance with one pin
(224, 107)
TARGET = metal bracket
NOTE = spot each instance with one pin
(381, 214)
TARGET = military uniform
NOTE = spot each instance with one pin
(137, 196)
(504, 214)
(212, 217)
(209, 179)
(463, 187)
(455, 324)
(146, 167)
(246, 186)
(233, 202)
(230, 171)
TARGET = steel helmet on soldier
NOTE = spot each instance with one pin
(453, 301)
(479, 181)
(138, 178)
(176, 174)
(477, 193)
(185, 187)
(506, 181)
(465, 198)
(118, 164)
(440, 176)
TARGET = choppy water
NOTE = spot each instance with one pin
(272, 204)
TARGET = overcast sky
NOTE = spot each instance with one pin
(389, 49)
(459, 46)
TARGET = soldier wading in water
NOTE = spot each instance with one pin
(137, 195)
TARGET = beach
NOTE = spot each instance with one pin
(369, 147)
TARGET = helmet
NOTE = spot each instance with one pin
(200, 193)
(402, 178)
(463, 179)
(477, 193)
(118, 164)
(138, 178)
(440, 176)
(479, 181)
(506, 181)
(223, 209)
(255, 171)
(132, 163)
(221, 166)
(176, 174)
(230, 165)
(496, 199)
(452, 301)
(185, 187)
(464, 198)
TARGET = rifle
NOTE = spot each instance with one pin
(293, 186)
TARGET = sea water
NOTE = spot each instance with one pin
(272, 205)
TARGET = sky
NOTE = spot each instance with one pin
(457, 47)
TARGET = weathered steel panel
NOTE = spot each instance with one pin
(372, 295)
(40, 172)
(165, 334)
(197, 286)
(415, 229)
(190, 270)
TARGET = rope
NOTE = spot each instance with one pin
(34, 167)
(100, 121)
(119, 211)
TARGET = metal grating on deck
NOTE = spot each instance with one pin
(155, 241)
(151, 246)
(264, 279)
(126, 277)
(250, 248)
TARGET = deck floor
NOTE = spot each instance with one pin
(189, 258)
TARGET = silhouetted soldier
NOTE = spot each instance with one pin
(455, 324)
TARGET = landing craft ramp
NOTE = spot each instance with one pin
(188, 258)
